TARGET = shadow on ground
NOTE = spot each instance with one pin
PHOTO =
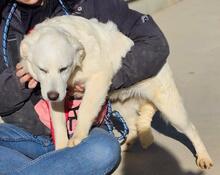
(156, 160)
(153, 161)
(165, 128)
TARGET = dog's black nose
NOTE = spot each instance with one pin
(52, 95)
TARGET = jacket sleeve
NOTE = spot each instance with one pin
(2, 4)
(150, 50)
(13, 95)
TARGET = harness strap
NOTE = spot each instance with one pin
(114, 120)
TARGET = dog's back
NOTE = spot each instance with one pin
(104, 44)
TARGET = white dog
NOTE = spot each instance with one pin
(64, 50)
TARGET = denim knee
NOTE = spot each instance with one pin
(106, 150)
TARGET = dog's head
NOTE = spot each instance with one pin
(50, 56)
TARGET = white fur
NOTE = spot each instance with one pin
(1, 121)
(91, 52)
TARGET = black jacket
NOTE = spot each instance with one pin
(144, 60)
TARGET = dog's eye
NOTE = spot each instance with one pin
(43, 70)
(63, 69)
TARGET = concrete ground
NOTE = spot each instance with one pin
(150, 6)
(192, 28)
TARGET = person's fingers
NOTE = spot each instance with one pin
(78, 88)
(32, 83)
(25, 78)
(20, 72)
(19, 66)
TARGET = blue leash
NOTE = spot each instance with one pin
(64, 7)
(5, 34)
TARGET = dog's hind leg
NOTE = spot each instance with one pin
(138, 115)
(143, 124)
(167, 99)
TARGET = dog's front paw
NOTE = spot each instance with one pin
(76, 139)
(204, 161)
(73, 142)
(60, 146)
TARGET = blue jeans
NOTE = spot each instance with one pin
(21, 153)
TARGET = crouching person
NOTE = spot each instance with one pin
(26, 146)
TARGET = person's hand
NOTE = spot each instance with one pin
(25, 77)
(78, 87)
(77, 90)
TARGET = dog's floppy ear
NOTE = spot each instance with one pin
(27, 42)
(25, 52)
(79, 50)
(80, 55)
(24, 49)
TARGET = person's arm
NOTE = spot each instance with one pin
(13, 95)
(150, 49)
